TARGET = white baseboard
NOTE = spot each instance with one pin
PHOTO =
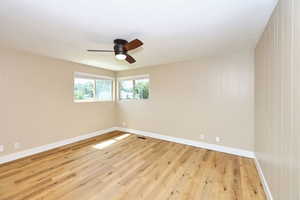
(35, 150)
(230, 150)
(263, 180)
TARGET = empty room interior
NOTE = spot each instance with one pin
(150, 100)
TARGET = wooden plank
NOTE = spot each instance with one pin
(130, 168)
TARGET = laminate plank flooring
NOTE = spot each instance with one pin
(121, 166)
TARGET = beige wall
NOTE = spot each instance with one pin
(277, 104)
(36, 101)
(215, 99)
(212, 96)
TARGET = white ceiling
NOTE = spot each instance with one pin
(172, 30)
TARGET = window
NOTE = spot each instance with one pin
(134, 87)
(89, 88)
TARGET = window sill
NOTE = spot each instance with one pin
(126, 100)
(92, 101)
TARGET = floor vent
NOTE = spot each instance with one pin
(141, 137)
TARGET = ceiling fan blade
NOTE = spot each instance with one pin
(91, 50)
(130, 59)
(133, 44)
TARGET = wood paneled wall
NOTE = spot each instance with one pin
(277, 101)
(213, 96)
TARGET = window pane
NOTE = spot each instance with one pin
(141, 89)
(134, 89)
(126, 89)
(104, 90)
(84, 89)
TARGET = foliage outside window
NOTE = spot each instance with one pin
(135, 88)
(92, 89)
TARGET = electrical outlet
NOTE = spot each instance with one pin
(124, 124)
(1, 148)
(202, 136)
(17, 145)
(218, 139)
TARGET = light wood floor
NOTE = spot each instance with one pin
(113, 167)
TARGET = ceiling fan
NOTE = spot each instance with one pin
(121, 48)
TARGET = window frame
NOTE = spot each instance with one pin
(137, 77)
(94, 77)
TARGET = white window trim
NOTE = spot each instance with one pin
(133, 77)
(136, 77)
(94, 77)
(91, 101)
(91, 76)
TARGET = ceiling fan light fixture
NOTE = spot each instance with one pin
(121, 56)
(121, 47)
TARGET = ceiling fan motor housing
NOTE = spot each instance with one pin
(119, 46)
